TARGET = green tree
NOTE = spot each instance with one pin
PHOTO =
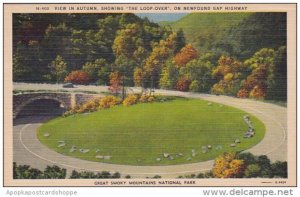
(75, 175)
(21, 70)
(277, 90)
(249, 158)
(125, 66)
(259, 30)
(97, 70)
(58, 69)
(179, 41)
(199, 72)
(54, 172)
(279, 169)
(27, 64)
(252, 170)
(169, 76)
(264, 162)
(26, 172)
(57, 41)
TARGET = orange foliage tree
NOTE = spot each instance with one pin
(185, 55)
(227, 166)
(78, 77)
(183, 84)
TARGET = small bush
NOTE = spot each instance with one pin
(161, 98)
(130, 100)
(108, 102)
(68, 113)
(91, 105)
(151, 99)
(146, 98)
(156, 177)
(242, 93)
(116, 175)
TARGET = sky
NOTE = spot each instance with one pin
(158, 17)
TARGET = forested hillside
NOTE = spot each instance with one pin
(238, 34)
(203, 30)
(234, 54)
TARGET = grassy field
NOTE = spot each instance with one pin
(139, 134)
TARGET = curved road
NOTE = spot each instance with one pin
(28, 150)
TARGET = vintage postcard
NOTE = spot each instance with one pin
(150, 95)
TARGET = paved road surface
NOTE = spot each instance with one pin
(28, 150)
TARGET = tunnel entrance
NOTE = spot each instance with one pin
(42, 107)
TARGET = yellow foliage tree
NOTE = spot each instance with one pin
(154, 63)
(227, 166)
(229, 74)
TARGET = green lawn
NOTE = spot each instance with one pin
(139, 134)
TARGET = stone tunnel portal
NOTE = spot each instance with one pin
(42, 107)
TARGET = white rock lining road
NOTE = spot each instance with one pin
(28, 149)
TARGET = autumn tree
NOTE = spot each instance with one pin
(115, 82)
(199, 72)
(154, 63)
(58, 69)
(227, 166)
(129, 51)
(228, 73)
(138, 76)
(183, 84)
(78, 77)
(129, 43)
(185, 55)
(262, 76)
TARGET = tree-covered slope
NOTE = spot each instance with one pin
(203, 29)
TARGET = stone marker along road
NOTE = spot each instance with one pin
(27, 149)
